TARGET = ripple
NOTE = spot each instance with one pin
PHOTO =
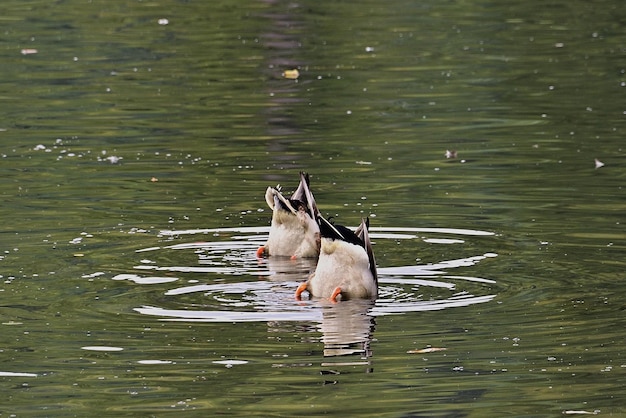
(249, 289)
(144, 280)
(152, 362)
(265, 229)
(17, 374)
(101, 348)
(230, 363)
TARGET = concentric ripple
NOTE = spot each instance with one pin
(225, 282)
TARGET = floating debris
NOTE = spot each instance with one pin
(29, 51)
(450, 154)
(113, 159)
(598, 163)
(291, 74)
(163, 21)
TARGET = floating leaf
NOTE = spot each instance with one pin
(291, 74)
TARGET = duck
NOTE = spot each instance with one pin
(346, 268)
(294, 230)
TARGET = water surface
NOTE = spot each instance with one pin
(136, 143)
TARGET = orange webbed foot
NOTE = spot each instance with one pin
(260, 252)
(300, 289)
(336, 294)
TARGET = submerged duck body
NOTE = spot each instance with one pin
(294, 231)
(346, 268)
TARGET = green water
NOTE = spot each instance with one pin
(134, 156)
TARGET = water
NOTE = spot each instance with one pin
(135, 152)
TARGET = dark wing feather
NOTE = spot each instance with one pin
(363, 233)
(335, 231)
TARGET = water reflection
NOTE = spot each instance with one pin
(286, 269)
(281, 45)
(347, 330)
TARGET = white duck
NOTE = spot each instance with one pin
(346, 268)
(294, 231)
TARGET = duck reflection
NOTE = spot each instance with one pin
(285, 269)
(347, 328)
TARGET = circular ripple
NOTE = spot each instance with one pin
(250, 289)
